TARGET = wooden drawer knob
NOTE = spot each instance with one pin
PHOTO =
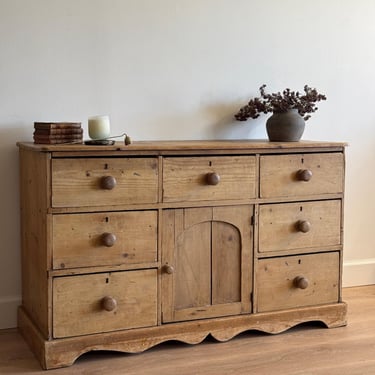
(304, 175)
(300, 282)
(108, 239)
(303, 226)
(212, 178)
(168, 269)
(108, 182)
(109, 303)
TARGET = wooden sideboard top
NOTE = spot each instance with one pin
(165, 147)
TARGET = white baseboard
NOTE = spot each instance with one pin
(8, 311)
(359, 272)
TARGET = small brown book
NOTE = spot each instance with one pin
(58, 131)
(57, 125)
(57, 141)
(58, 136)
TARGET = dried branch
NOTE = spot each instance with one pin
(281, 102)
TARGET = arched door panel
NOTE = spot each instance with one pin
(207, 253)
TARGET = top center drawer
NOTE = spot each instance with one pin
(207, 178)
(83, 182)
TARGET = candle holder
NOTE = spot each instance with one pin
(109, 140)
(99, 127)
(99, 142)
(100, 132)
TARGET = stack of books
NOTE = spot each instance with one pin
(58, 132)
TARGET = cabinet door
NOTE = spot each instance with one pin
(207, 257)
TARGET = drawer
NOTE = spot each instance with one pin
(288, 226)
(96, 182)
(98, 239)
(208, 178)
(104, 302)
(302, 174)
(297, 281)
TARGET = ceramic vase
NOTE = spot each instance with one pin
(285, 126)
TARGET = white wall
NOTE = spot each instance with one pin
(179, 69)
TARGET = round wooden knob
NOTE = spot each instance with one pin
(212, 178)
(108, 239)
(168, 269)
(108, 182)
(304, 175)
(303, 226)
(301, 282)
(109, 303)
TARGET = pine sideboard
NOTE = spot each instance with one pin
(128, 246)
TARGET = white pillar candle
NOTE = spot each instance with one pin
(99, 127)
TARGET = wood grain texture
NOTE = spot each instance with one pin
(278, 225)
(278, 174)
(78, 239)
(184, 178)
(217, 146)
(63, 352)
(78, 309)
(210, 252)
(191, 238)
(303, 350)
(226, 263)
(77, 182)
(275, 281)
(35, 236)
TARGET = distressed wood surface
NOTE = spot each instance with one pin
(77, 182)
(78, 302)
(78, 239)
(184, 178)
(210, 252)
(183, 146)
(64, 352)
(348, 350)
(193, 262)
(35, 236)
(278, 225)
(278, 174)
(275, 281)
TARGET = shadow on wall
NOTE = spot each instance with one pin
(9, 136)
(225, 126)
(216, 121)
(10, 274)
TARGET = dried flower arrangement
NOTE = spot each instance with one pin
(281, 102)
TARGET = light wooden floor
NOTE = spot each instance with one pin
(304, 350)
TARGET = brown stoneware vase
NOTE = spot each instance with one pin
(285, 126)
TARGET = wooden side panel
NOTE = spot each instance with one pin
(77, 182)
(241, 217)
(226, 263)
(275, 280)
(77, 302)
(279, 231)
(184, 178)
(36, 257)
(278, 174)
(193, 263)
(78, 240)
(167, 260)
